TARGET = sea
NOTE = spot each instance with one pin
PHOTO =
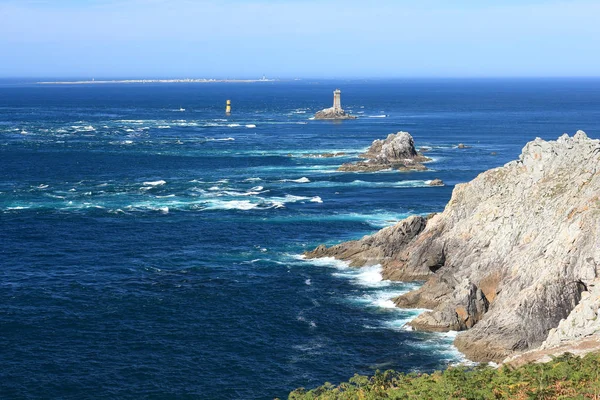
(151, 246)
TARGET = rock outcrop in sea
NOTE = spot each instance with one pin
(397, 151)
(514, 253)
(333, 113)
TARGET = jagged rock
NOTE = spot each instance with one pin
(463, 146)
(436, 182)
(383, 247)
(332, 113)
(397, 151)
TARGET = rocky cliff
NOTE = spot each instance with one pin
(509, 257)
(397, 151)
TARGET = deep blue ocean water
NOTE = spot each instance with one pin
(148, 252)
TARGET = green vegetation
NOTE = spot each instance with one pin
(565, 377)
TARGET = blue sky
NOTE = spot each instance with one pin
(287, 39)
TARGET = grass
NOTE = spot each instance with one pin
(565, 377)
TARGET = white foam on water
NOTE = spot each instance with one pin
(252, 179)
(164, 127)
(214, 188)
(307, 282)
(231, 205)
(42, 186)
(165, 197)
(233, 125)
(316, 199)
(371, 277)
(228, 139)
(163, 210)
(155, 183)
(250, 126)
(329, 262)
(299, 180)
(377, 116)
(86, 128)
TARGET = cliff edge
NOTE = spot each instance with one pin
(511, 255)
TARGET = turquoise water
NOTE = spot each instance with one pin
(148, 252)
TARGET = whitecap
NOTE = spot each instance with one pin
(299, 180)
(250, 126)
(155, 183)
(231, 205)
(307, 282)
(233, 125)
(378, 116)
(316, 199)
(164, 127)
(163, 210)
(252, 179)
(228, 139)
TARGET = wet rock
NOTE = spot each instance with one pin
(436, 182)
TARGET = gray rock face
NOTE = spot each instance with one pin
(577, 334)
(397, 151)
(582, 322)
(512, 254)
(332, 113)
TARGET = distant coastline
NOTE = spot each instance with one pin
(186, 80)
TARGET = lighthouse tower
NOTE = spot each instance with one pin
(337, 100)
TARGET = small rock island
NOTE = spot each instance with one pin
(397, 151)
(335, 112)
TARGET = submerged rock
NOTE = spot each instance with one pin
(325, 155)
(512, 255)
(397, 151)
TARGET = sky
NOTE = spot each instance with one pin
(299, 38)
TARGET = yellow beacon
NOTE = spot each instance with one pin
(228, 107)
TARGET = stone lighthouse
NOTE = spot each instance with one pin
(335, 112)
(337, 100)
